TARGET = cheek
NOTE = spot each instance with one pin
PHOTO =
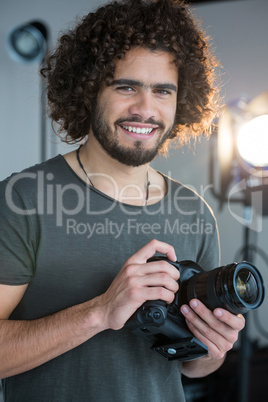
(168, 113)
(113, 110)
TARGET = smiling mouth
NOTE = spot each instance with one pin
(138, 130)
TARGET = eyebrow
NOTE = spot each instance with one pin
(129, 82)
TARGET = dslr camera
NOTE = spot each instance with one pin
(236, 287)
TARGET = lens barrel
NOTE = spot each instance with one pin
(237, 287)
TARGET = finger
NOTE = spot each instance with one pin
(205, 322)
(223, 316)
(159, 279)
(213, 347)
(139, 271)
(215, 342)
(160, 266)
(234, 321)
(149, 250)
(158, 293)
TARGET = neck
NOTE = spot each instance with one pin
(124, 183)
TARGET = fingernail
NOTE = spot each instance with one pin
(194, 303)
(218, 313)
(184, 310)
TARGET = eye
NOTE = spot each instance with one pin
(125, 88)
(163, 91)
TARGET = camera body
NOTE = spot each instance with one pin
(164, 325)
(237, 287)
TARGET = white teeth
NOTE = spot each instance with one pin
(138, 130)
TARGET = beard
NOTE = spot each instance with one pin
(134, 156)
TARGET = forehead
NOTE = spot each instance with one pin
(147, 66)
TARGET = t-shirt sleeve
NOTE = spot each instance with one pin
(17, 238)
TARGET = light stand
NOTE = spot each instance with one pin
(245, 343)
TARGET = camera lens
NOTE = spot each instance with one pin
(246, 286)
(237, 288)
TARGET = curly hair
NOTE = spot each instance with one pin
(86, 57)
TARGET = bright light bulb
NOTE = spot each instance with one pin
(252, 141)
(26, 44)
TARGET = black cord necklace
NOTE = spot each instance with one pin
(90, 181)
(82, 167)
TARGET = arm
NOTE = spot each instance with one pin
(218, 330)
(28, 344)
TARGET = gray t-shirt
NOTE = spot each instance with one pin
(68, 241)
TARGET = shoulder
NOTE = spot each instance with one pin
(32, 177)
(51, 165)
(187, 199)
(23, 191)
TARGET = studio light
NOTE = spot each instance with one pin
(239, 150)
(252, 142)
(27, 43)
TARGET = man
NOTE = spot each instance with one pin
(77, 231)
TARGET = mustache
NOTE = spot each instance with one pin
(137, 119)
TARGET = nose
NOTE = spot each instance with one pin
(143, 105)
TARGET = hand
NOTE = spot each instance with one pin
(139, 281)
(218, 330)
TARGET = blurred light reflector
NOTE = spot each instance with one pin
(252, 142)
(28, 43)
